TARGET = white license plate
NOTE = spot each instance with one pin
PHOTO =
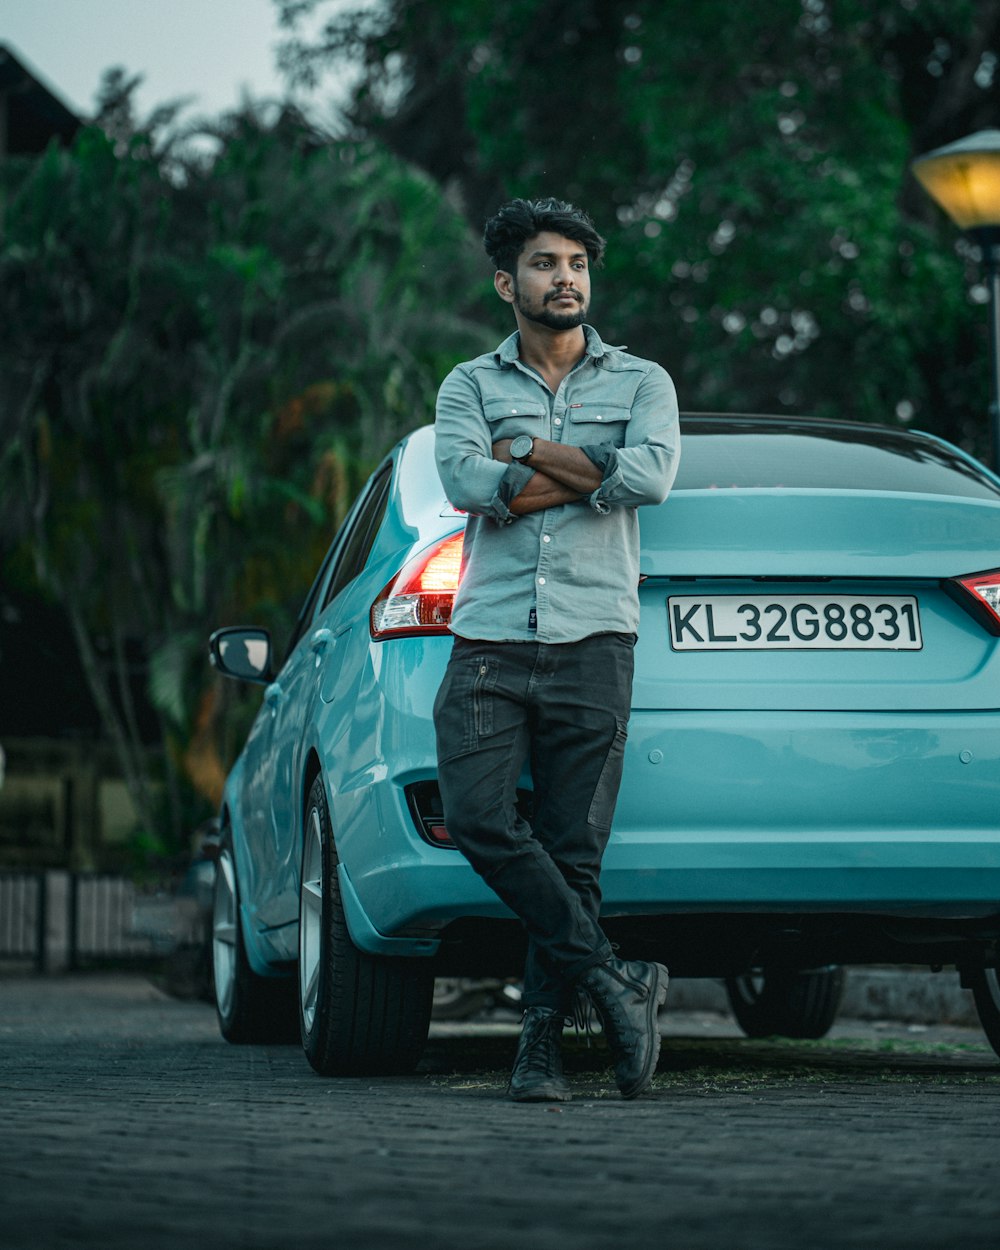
(794, 623)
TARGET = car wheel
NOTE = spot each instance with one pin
(250, 1008)
(359, 1013)
(786, 1003)
(985, 986)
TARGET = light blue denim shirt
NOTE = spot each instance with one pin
(573, 570)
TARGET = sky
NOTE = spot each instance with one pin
(213, 50)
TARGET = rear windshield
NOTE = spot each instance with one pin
(736, 453)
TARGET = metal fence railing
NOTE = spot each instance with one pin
(55, 920)
(23, 917)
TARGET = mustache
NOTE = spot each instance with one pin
(561, 295)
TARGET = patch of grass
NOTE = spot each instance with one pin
(708, 1065)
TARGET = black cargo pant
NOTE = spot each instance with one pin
(563, 707)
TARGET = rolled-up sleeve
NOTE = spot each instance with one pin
(642, 471)
(473, 481)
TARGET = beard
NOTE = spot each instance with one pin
(551, 317)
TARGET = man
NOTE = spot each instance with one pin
(550, 443)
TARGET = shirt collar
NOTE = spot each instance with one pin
(509, 349)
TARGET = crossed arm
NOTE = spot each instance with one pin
(473, 471)
(563, 474)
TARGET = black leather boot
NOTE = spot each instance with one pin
(628, 995)
(538, 1074)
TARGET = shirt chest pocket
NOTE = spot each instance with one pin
(509, 417)
(599, 423)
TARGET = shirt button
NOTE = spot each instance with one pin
(558, 421)
(514, 411)
(599, 417)
(541, 581)
(546, 538)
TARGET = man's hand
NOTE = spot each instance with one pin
(562, 475)
(568, 465)
(541, 492)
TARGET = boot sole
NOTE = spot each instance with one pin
(656, 1000)
(541, 1093)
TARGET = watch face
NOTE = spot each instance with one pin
(521, 446)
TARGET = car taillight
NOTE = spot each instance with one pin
(979, 594)
(418, 600)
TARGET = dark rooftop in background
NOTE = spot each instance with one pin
(30, 115)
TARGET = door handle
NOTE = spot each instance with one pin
(273, 694)
(320, 639)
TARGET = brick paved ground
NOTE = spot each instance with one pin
(126, 1122)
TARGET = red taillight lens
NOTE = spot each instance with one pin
(419, 599)
(979, 594)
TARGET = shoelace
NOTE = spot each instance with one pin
(582, 1015)
(583, 1011)
(537, 1054)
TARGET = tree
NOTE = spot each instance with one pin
(749, 164)
(203, 358)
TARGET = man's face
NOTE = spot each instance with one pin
(552, 284)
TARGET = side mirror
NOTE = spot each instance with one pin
(241, 652)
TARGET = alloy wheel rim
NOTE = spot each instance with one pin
(993, 986)
(750, 988)
(310, 919)
(224, 932)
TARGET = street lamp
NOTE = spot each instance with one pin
(964, 179)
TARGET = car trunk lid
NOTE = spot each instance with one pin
(775, 552)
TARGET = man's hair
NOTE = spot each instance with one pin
(517, 221)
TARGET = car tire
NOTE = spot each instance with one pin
(250, 1008)
(359, 1013)
(786, 1003)
(985, 986)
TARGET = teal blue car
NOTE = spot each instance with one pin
(813, 763)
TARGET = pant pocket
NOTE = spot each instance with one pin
(483, 691)
(602, 806)
(464, 707)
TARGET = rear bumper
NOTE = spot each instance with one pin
(933, 877)
(810, 810)
(750, 812)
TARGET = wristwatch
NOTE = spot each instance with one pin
(521, 448)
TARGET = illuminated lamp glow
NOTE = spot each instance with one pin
(419, 599)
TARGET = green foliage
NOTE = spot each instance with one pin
(204, 358)
(749, 164)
